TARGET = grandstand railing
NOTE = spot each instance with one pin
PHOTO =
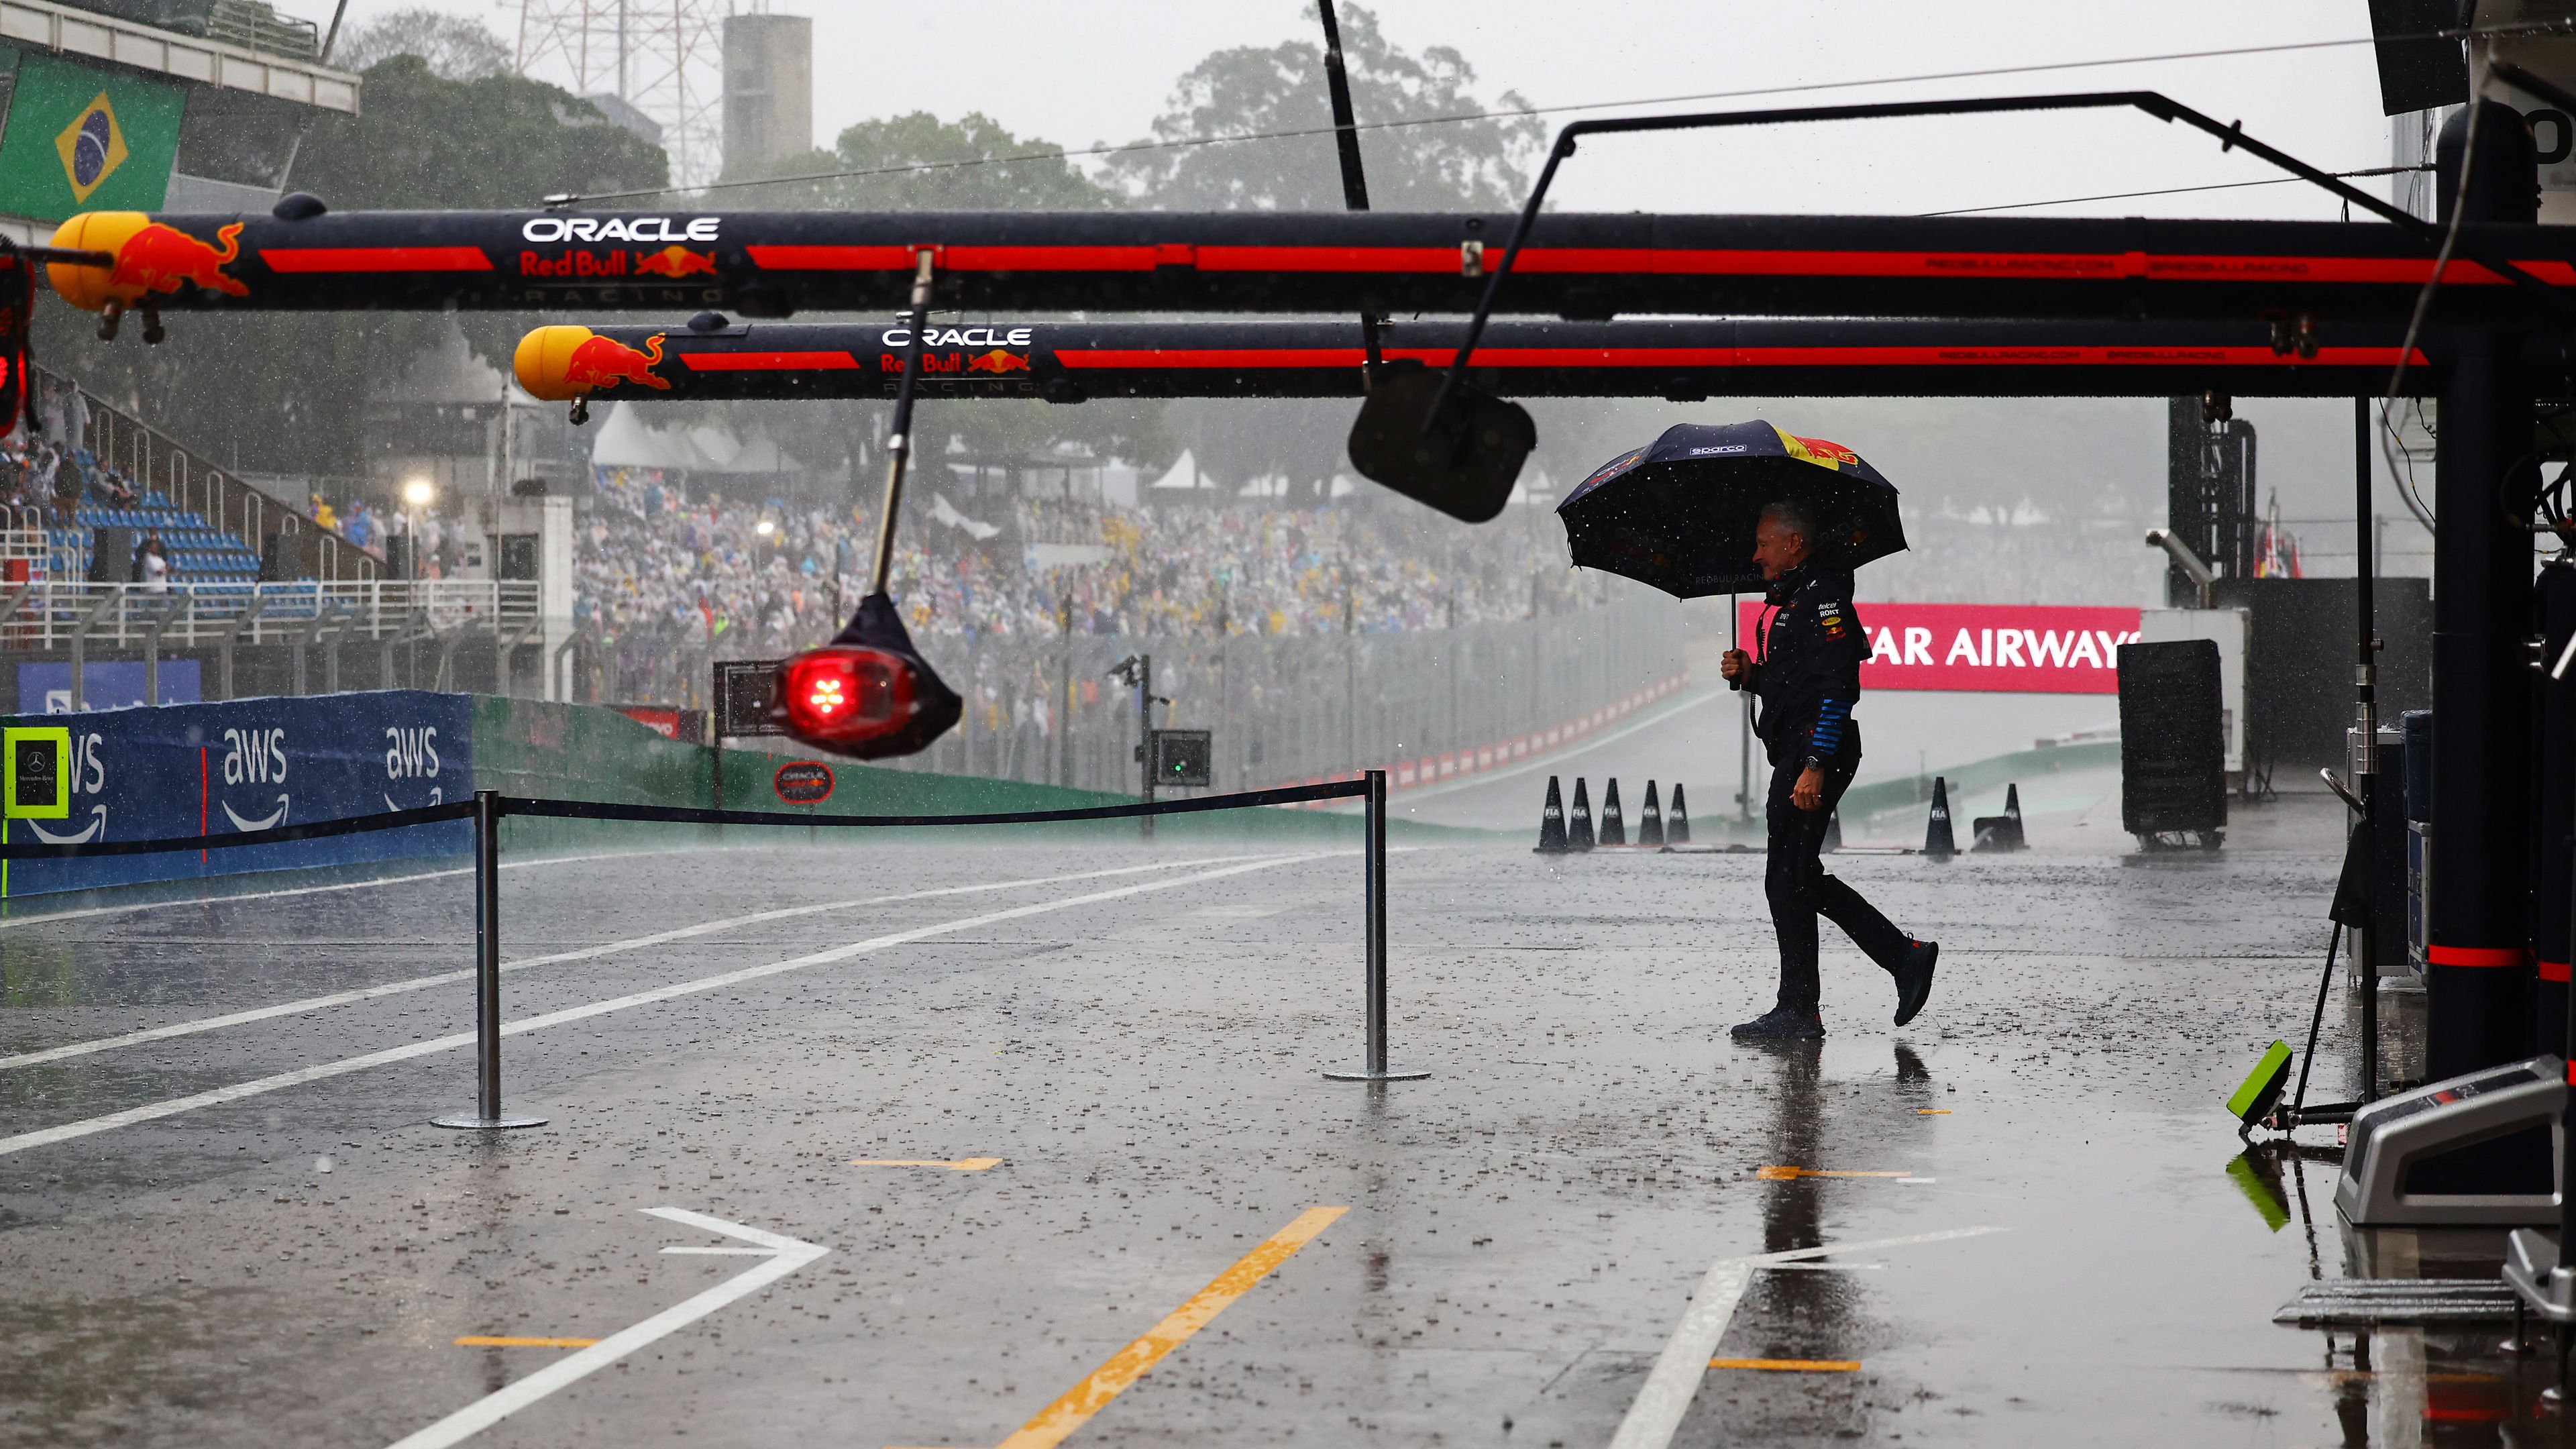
(23, 540)
(154, 461)
(46, 615)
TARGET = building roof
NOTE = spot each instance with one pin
(75, 31)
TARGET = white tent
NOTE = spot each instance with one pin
(627, 441)
(1185, 474)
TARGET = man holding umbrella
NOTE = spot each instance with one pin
(1807, 680)
(1727, 508)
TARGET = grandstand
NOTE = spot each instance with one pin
(221, 524)
(199, 552)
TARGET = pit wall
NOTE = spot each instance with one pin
(146, 773)
(583, 752)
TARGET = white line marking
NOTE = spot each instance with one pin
(152, 1111)
(785, 1254)
(727, 1252)
(1676, 1376)
(49, 917)
(444, 978)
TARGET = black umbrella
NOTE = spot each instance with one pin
(1679, 512)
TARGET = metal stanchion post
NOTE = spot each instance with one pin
(487, 974)
(1373, 853)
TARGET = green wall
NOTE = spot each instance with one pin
(586, 752)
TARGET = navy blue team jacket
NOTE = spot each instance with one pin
(1808, 677)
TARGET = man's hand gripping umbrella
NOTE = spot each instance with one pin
(869, 694)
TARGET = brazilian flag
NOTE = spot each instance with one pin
(78, 139)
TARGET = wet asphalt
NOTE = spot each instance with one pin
(1524, 1229)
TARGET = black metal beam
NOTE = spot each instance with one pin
(1075, 361)
(1576, 265)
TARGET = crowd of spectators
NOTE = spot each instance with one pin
(767, 577)
(59, 479)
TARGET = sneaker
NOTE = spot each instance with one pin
(1914, 979)
(1781, 1023)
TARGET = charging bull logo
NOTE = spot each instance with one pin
(598, 362)
(997, 361)
(674, 261)
(162, 258)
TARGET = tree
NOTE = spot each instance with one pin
(918, 162)
(454, 47)
(499, 141)
(1451, 166)
(286, 392)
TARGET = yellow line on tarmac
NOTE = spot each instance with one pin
(1790, 1174)
(1931, 1111)
(485, 1340)
(1790, 1365)
(963, 1164)
(1059, 1419)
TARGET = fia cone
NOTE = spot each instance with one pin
(1937, 840)
(1551, 822)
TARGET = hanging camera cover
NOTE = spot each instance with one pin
(1462, 462)
(868, 694)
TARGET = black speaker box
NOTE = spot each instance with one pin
(2173, 743)
(111, 555)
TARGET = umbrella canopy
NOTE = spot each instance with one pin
(1679, 512)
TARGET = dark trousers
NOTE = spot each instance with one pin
(1799, 889)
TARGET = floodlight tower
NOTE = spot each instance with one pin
(661, 60)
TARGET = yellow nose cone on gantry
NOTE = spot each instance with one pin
(544, 358)
(90, 287)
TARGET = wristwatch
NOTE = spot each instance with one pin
(1812, 763)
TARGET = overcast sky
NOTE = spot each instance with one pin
(1101, 70)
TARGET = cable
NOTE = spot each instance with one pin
(2177, 191)
(2562, 23)
(2424, 304)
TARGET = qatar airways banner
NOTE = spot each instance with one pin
(2003, 648)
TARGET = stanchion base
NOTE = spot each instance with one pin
(1363, 1074)
(464, 1121)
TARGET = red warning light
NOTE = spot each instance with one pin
(854, 700)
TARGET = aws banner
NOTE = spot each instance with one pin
(2002, 648)
(250, 765)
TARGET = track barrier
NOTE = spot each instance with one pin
(1938, 843)
(1551, 822)
(1650, 822)
(1677, 820)
(1579, 827)
(489, 807)
(1614, 826)
(1996, 833)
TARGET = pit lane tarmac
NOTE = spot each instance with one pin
(1027, 1144)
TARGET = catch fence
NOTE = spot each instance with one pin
(1296, 707)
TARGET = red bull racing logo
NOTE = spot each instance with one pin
(162, 258)
(997, 361)
(603, 362)
(674, 261)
